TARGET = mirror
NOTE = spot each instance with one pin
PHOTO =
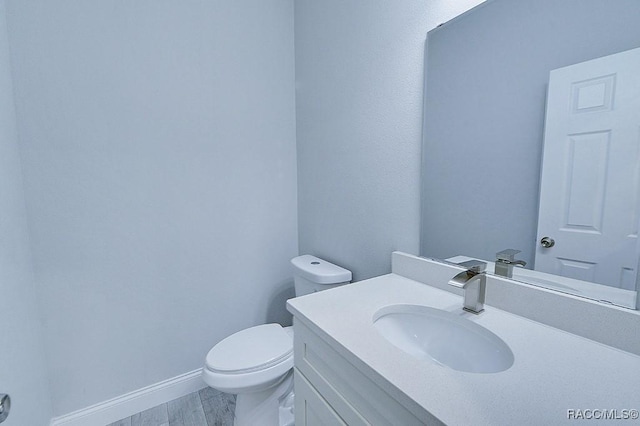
(487, 74)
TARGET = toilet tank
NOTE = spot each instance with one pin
(311, 274)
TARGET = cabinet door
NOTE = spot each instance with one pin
(311, 409)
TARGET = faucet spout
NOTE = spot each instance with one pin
(473, 281)
(505, 261)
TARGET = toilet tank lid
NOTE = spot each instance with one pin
(319, 271)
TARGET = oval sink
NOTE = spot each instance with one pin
(446, 338)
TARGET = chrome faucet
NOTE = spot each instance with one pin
(474, 282)
(505, 261)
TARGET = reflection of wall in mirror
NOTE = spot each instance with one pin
(486, 83)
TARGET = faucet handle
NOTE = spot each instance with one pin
(476, 266)
(509, 255)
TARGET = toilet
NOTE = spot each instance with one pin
(257, 363)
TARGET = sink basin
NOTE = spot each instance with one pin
(444, 337)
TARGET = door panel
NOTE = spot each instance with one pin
(590, 172)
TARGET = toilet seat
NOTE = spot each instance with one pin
(250, 360)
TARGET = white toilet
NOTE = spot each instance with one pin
(257, 363)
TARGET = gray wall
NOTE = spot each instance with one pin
(23, 373)
(158, 146)
(359, 75)
(487, 75)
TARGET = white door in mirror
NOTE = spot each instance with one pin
(590, 173)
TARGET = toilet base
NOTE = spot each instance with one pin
(270, 407)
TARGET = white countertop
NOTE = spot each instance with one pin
(554, 371)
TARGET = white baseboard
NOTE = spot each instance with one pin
(134, 402)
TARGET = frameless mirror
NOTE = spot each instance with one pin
(487, 79)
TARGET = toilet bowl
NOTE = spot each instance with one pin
(257, 363)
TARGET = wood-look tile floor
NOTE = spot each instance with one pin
(207, 407)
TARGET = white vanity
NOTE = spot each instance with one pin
(348, 372)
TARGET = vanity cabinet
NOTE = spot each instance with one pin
(311, 408)
(330, 390)
(348, 372)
